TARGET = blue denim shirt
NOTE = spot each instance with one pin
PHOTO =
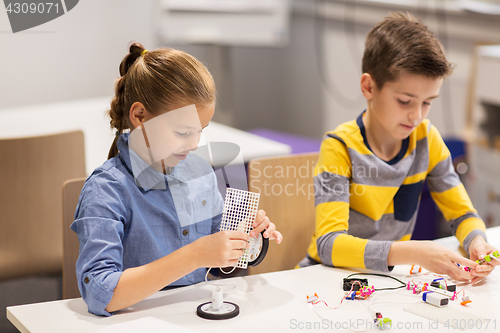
(125, 222)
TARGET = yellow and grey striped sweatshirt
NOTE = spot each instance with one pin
(363, 203)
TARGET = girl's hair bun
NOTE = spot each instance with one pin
(135, 51)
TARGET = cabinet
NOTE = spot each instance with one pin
(484, 135)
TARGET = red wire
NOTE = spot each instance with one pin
(319, 302)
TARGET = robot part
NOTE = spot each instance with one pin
(348, 284)
(465, 300)
(312, 298)
(381, 322)
(434, 298)
(415, 269)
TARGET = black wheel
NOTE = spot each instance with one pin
(229, 310)
(259, 250)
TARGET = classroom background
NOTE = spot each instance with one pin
(285, 70)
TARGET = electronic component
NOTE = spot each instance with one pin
(487, 258)
(465, 300)
(444, 314)
(434, 298)
(440, 291)
(415, 269)
(381, 322)
(435, 284)
(240, 210)
(217, 309)
(312, 298)
(350, 283)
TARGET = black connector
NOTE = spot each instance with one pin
(348, 284)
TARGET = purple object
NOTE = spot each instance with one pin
(299, 143)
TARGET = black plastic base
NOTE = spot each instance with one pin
(217, 316)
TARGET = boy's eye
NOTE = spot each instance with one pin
(403, 102)
(427, 103)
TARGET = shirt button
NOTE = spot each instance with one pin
(204, 202)
(86, 280)
(185, 232)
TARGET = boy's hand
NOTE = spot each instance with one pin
(262, 223)
(478, 248)
(441, 260)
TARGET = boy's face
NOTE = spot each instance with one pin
(400, 106)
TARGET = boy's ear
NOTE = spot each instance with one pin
(137, 114)
(367, 85)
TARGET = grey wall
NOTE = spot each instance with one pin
(74, 56)
(311, 85)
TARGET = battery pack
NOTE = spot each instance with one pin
(434, 298)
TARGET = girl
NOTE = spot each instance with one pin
(149, 216)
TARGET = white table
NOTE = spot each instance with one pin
(272, 302)
(89, 116)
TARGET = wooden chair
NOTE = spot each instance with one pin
(286, 192)
(32, 171)
(71, 193)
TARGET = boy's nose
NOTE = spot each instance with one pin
(415, 116)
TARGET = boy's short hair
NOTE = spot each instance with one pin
(401, 43)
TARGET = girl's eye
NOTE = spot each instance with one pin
(181, 134)
(403, 102)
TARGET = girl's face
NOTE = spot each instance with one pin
(170, 136)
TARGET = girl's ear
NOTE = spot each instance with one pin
(137, 114)
(367, 85)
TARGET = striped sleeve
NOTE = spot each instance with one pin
(449, 194)
(333, 246)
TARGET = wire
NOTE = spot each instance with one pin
(206, 275)
(403, 285)
(227, 272)
(320, 302)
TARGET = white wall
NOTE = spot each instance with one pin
(74, 56)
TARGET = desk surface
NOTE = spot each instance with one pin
(268, 302)
(89, 116)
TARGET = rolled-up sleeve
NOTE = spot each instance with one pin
(99, 223)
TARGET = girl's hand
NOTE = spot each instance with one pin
(222, 249)
(441, 260)
(262, 223)
(478, 248)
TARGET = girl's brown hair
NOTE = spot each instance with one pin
(401, 43)
(161, 80)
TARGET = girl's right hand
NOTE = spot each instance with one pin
(441, 260)
(222, 249)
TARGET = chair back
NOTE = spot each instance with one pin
(286, 192)
(71, 193)
(32, 171)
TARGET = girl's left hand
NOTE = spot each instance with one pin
(478, 248)
(262, 223)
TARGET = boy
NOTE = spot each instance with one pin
(371, 170)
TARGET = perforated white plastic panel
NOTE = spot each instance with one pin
(446, 315)
(240, 209)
